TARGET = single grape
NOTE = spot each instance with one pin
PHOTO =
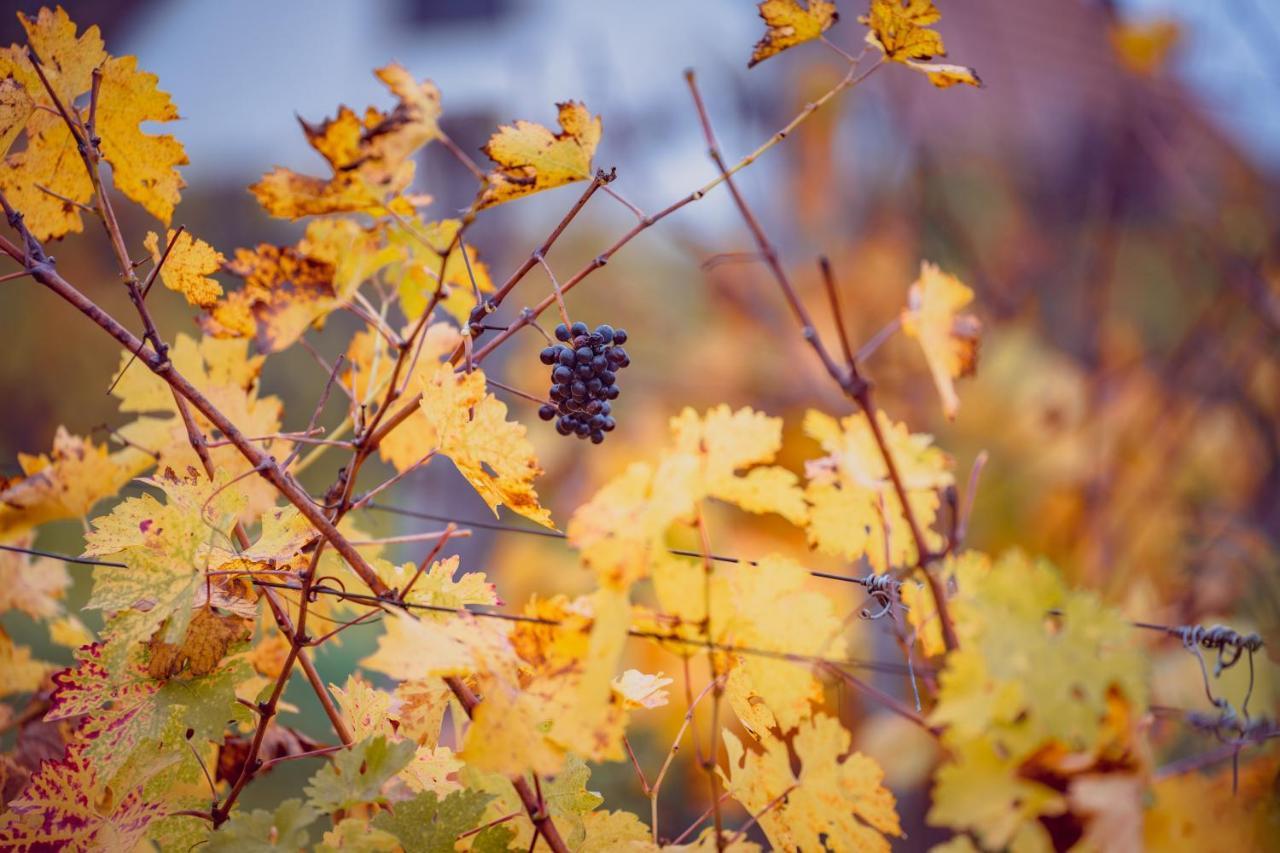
(579, 389)
(609, 424)
(600, 364)
(566, 357)
(581, 341)
(584, 355)
(619, 336)
(582, 427)
(610, 393)
(562, 332)
(593, 386)
(605, 331)
(605, 408)
(562, 426)
(561, 375)
(616, 355)
(547, 356)
(596, 436)
(578, 328)
(607, 377)
(547, 411)
(596, 421)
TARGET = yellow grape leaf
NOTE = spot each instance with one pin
(1042, 694)
(143, 166)
(15, 108)
(958, 571)
(609, 831)
(285, 292)
(422, 251)
(837, 792)
(899, 29)
(50, 159)
(224, 372)
(1143, 47)
(507, 734)
(422, 703)
(66, 805)
(949, 339)
(165, 548)
(187, 267)
(405, 446)
(32, 586)
(726, 442)
(554, 648)
(531, 158)
(639, 690)
(65, 483)
(355, 252)
(22, 673)
(371, 157)
(788, 24)
(437, 587)
(854, 509)
(437, 646)
(470, 426)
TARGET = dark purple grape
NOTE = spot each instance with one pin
(619, 336)
(584, 355)
(605, 331)
(563, 427)
(579, 390)
(596, 436)
(616, 355)
(600, 363)
(610, 393)
(605, 408)
(581, 341)
(596, 421)
(548, 355)
(547, 411)
(594, 386)
(565, 356)
(607, 377)
(578, 328)
(594, 406)
(562, 332)
(582, 427)
(561, 375)
(609, 424)
(556, 393)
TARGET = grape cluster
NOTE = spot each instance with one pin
(584, 378)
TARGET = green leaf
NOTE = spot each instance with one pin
(357, 775)
(568, 800)
(427, 824)
(261, 831)
(495, 839)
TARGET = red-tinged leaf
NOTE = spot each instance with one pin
(68, 806)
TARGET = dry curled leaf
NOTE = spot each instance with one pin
(899, 29)
(531, 158)
(789, 23)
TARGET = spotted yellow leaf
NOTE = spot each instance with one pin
(186, 268)
(531, 158)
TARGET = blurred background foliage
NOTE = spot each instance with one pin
(1110, 195)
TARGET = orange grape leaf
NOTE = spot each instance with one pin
(837, 792)
(470, 426)
(15, 108)
(371, 157)
(788, 24)
(949, 339)
(899, 29)
(854, 509)
(143, 166)
(531, 158)
(67, 805)
(187, 267)
(1192, 812)
(65, 483)
(285, 292)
